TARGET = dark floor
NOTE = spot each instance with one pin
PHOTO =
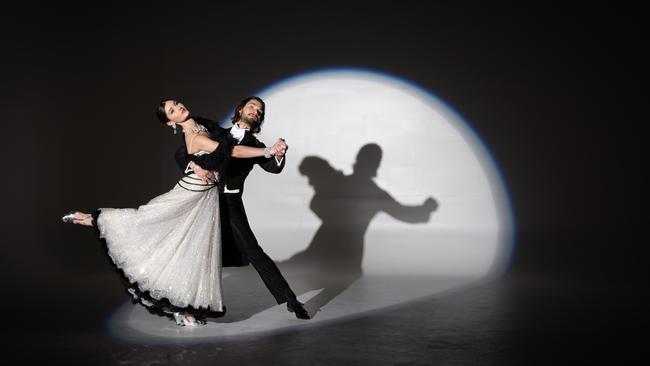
(515, 320)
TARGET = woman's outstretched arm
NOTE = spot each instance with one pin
(203, 143)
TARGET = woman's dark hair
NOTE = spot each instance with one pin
(237, 114)
(161, 113)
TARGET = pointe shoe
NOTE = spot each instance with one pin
(69, 217)
(72, 218)
(182, 320)
(299, 309)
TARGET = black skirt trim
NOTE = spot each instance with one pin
(196, 184)
(195, 190)
(161, 307)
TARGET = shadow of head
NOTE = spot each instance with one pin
(320, 172)
(317, 170)
(368, 160)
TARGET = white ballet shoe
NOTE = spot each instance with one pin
(73, 218)
(69, 218)
(182, 320)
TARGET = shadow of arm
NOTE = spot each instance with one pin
(408, 213)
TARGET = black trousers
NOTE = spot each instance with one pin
(235, 228)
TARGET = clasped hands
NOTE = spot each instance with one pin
(278, 149)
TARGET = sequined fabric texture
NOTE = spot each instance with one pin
(170, 246)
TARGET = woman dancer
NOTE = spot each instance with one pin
(168, 251)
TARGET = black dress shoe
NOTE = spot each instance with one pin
(298, 309)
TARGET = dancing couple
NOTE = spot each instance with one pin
(170, 252)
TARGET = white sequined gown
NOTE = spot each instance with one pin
(169, 250)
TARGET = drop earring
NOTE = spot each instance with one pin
(174, 128)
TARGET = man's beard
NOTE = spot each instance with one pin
(252, 122)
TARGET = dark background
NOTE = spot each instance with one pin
(553, 91)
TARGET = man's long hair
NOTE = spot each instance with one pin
(237, 114)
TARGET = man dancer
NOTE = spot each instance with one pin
(239, 246)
